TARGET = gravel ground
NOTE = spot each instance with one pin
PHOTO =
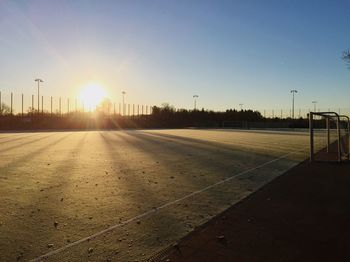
(302, 215)
(57, 188)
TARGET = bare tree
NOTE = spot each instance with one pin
(5, 109)
(346, 57)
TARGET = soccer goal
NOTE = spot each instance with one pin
(329, 136)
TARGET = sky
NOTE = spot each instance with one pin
(226, 52)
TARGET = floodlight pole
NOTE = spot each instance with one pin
(314, 102)
(195, 101)
(293, 93)
(39, 81)
(123, 93)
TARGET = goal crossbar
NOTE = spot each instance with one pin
(328, 116)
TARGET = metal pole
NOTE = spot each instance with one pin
(133, 109)
(195, 101)
(293, 93)
(38, 97)
(60, 104)
(76, 105)
(0, 104)
(11, 102)
(51, 106)
(67, 105)
(339, 147)
(33, 104)
(311, 130)
(293, 107)
(42, 104)
(113, 108)
(328, 135)
(123, 93)
(128, 109)
(120, 113)
(138, 110)
(22, 104)
(348, 139)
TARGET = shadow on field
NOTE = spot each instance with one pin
(16, 138)
(239, 145)
(25, 143)
(204, 154)
(174, 154)
(141, 195)
(34, 215)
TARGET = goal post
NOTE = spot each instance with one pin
(332, 132)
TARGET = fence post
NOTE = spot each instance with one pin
(11, 102)
(22, 104)
(339, 146)
(32, 104)
(311, 130)
(328, 135)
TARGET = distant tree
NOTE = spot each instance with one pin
(5, 109)
(167, 108)
(346, 57)
(105, 107)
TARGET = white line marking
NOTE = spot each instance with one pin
(59, 250)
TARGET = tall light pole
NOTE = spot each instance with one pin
(241, 105)
(123, 93)
(195, 101)
(314, 102)
(293, 92)
(39, 81)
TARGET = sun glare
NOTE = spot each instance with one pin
(92, 95)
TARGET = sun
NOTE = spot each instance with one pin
(92, 95)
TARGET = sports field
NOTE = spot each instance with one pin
(124, 195)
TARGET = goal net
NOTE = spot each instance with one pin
(329, 136)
